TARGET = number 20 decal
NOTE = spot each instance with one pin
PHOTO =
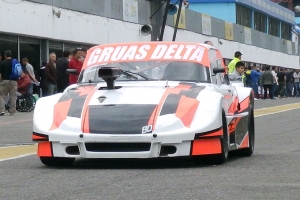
(147, 129)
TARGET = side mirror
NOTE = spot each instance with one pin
(218, 70)
(71, 71)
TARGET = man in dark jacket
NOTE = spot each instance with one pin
(62, 78)
(50, 73)
(289, 83)
(43, 82)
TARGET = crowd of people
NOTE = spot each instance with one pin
(51, 78)
(268, 82)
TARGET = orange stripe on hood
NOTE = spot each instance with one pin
(156, 111)
(89, 91)
(186, 110)
(60, 113)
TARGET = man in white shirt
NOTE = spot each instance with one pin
(296, 76)
(275, 81)
(30, 71)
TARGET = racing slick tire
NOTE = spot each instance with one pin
(247, 152)
(57, 161)
(221, 158)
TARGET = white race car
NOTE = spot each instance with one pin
(146, 100)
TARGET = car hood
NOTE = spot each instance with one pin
(130, 109)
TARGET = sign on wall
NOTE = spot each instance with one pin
(182, 19)
(130, 11)
(247, 32)
(228, 31)
(206, 24)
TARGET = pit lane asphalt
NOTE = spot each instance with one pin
(271, 173)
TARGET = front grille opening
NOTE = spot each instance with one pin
(117, 147)
(165, 150)
(72, 150)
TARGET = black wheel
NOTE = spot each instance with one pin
(57, 161)
(30, 102)
(247, 152)
(25, 103)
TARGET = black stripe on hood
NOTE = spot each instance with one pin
(119, 118)
(172, 101)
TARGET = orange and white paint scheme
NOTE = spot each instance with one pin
(146, 100)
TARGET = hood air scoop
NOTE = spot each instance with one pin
(109, 75)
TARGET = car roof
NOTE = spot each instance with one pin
(151, 51)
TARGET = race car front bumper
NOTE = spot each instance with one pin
(115, 146)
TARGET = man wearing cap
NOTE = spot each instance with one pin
(237, 58)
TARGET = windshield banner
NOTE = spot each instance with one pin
(146, 51)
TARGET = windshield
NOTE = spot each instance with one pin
(152, 70)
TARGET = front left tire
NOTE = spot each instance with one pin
(57, 161)
(247, 152)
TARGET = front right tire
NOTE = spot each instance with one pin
(221, 158)
(247, 152)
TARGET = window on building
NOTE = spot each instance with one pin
(9, 42)
(243, 16)
(285, 31)
(260, 22)
(30, 48)
(56, 47)
(71, 46)
(273, 26)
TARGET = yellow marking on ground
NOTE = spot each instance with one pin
(276, 109)
(16, 151)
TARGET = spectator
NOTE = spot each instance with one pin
(43, 82)
(84, 52)
(50, 74)
(237, 58)
(209, 42)
(289, 83)
(24, 83)
(236, 75)
(260, 88)
(281, 81)
(7, 85)
(255, 74)
(248, 82)
(75, 64)
(296, 76)
(30, 71)
(267, 82)
(62, 78)
(275, 82)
